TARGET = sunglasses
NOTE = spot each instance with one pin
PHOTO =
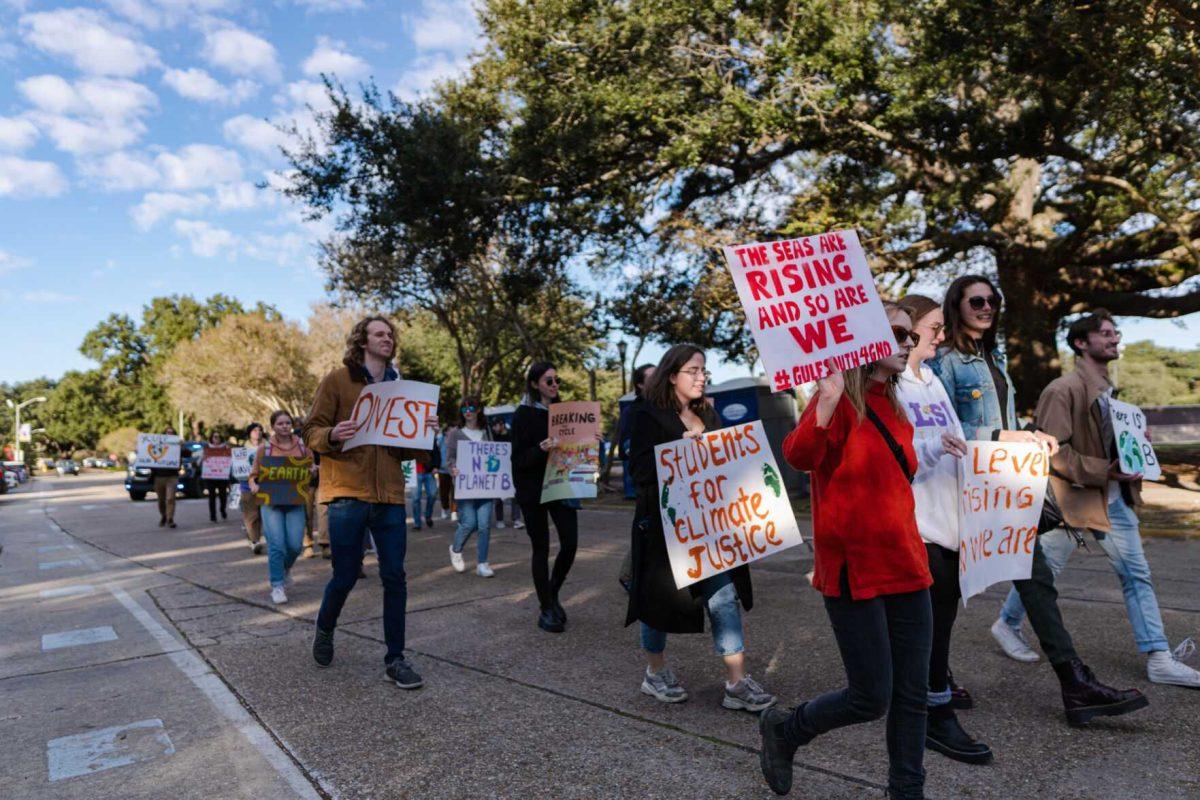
(979, 301)
(468, 409)
(904, 334)
(550, 381)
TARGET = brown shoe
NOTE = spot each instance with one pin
(308, 553)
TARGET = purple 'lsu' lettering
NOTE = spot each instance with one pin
(939, 415)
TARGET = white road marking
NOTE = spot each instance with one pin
(219, 694)
(95, 751)
(51, 548)
(88, 507)
(69, 562)
(67, 591)
(34, 511)
(57, 641)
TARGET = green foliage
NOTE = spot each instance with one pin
(1150, 375)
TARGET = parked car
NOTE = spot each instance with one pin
(139, 482)
(67, 466)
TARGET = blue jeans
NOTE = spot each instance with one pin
(427, 487)
(474, 515)
(284, 528)
(724, 616)
(349, 521)
(1122, 543)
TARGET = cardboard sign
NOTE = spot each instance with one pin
(158, 450)
(409, 468)
(574, 465)
(395, 414)
(723, 502)
(812, 306)
(284, 480)
(1001, 489)
(484, 471)
(1133, 447)
(217, 464)
(241, 461)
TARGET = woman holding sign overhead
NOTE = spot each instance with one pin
(473, 514)
(283, 523)
(675, 408)
(870, 565)
(531, 447)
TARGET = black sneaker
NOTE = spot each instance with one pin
(400, 671)
(775, 756)
(322, 647)
(549, 621)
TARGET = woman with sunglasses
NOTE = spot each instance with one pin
(530, 451)
(870, 565)
(473, 514)
(939, 443)
(675, 408)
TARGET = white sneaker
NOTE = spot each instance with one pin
(1013, 642)
(454, 516)
(484, 571)
(519, 524)
(278, 595)
(456, 560)
(499, 525)
(1163, 667)
(445, 515)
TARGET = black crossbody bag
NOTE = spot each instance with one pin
(892, 444)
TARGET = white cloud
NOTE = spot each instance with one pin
(286, 248)
(11, 263)
(206, 239)
(20, 177)
(241, 53)
(17, 134)
(167, 13)
(255, 134)
(41, 296)
(156, 206)
(330, 5)
(331, 58)
(86, 136)
(449, 25)
(91, 115)
(196, 84)
(307, 93)
(89, 39)
(427, 71)
(197, 166)
(121, 171)
(243, 195)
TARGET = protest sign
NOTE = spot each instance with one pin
(812, 306)
(241, 461)
(217, 464)
(723, 502)
(158, 450)
(484, 471)
(1133, 447)
(573, 465)
(395, 414)
(1001, 489)
(409, 468)
(284, 480)
(235, 497)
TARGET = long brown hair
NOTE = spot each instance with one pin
(918, 305)
(661, 392)
(858, 378)
(956, 331)
(356, 341)
(472, 400)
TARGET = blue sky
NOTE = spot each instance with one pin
(133, 134)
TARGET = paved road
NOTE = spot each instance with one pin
(138, 662)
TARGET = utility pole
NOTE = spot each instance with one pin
(16, 407)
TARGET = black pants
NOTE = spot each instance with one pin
(537, 525)
(885, 643)
(943, 598)
(215, 489)
(1040, 599)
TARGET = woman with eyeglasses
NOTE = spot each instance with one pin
(675, 408)
(532, 444)
(473, 514)
(939, 444)
(869, 563)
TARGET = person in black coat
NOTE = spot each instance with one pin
(531, 445)
(675, 408)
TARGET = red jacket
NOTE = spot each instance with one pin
(863, 516)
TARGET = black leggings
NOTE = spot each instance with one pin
(943, 596)
(216, 488)
(538, 527)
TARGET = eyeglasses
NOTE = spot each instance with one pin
(904, 334)
(979, 301)
(550, 380)
(468, 409)
(936, 327)
(1113, 334)
(696, 373)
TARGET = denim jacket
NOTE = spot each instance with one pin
(969, 384)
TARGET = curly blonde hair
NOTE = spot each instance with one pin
(356, 341)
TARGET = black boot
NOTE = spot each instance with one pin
(960, 698)
(947, 737)
(549, 622)
(556, 606)
(1085, 697)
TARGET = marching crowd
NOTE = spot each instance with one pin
(884, 436)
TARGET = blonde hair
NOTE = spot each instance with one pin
(858, 378)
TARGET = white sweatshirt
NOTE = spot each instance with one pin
(935, 487)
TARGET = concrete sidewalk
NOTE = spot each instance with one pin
(511, 712)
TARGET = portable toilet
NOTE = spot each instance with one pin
(741, 400)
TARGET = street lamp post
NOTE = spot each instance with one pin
(16, 407)
(621, 352)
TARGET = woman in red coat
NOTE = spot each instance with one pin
(870, 565)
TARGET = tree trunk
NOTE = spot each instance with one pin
(1030, 320)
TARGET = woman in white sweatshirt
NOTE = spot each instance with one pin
(938, 441)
